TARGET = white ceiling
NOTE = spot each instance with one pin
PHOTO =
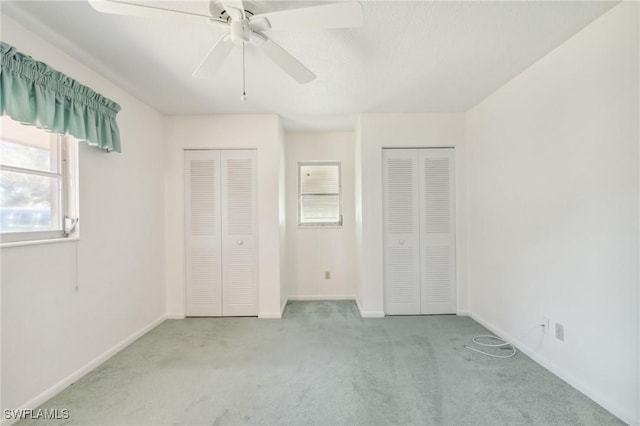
(410, 56)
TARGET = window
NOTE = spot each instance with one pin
(319, 201)
(37, 194)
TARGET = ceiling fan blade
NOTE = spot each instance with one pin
(346, 14)
(129, 9)
(288, 63)
(214, 59)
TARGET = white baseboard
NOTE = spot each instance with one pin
(312, 297)
(368, 314)
(275, 315)
(462, 313)
(269, 315)
(82, 371)
(176, 315)
(596, 396)
(358, 306)
(372, 314)
(363, 314)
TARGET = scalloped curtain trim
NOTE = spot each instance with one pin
(32, 92)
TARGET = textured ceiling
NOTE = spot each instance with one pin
(410, 56)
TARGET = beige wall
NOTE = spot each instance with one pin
(51, 332)
(312, 251)
(553, 210)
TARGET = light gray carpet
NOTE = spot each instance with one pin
(320, 365)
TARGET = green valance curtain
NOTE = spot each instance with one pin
(32, 92)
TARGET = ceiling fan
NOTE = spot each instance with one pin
(243, 24)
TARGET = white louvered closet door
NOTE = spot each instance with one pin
(401, 232)
(239, 233)
(203, 233)
(437, 231)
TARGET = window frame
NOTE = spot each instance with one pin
(327, 224)
(64, 149)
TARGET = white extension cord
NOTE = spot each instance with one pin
(504, 344)
(490, 345)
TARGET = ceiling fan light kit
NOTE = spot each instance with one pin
(244, 26)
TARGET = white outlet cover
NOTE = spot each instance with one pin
(560, 332)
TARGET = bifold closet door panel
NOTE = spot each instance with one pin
(401, 232)
(437, 231)
(203, 226)
(239, 233)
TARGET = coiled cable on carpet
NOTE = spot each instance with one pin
(503, 345)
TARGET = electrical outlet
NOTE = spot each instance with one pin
(560, 332)
(327, 275)
(544, 322)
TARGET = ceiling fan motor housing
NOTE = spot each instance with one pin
(240, 31)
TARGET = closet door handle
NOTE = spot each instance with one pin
(240, 242)
(401, 242)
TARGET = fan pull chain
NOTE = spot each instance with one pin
(244, 81)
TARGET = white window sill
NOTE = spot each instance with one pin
(39, 242)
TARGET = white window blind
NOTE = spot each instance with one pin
(319, 194)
